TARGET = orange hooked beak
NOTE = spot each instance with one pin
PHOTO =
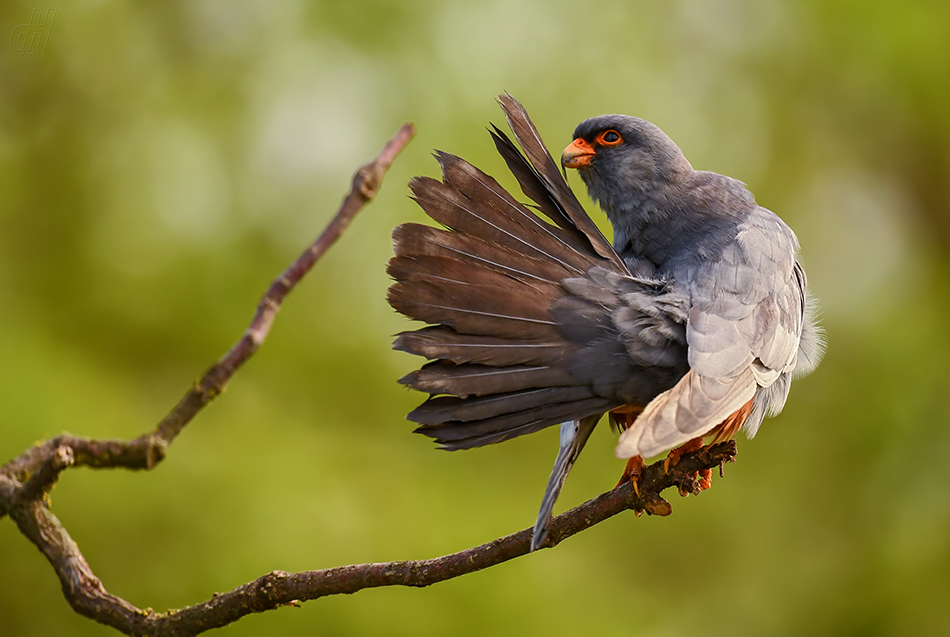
(578, 154)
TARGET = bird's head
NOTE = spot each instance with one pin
(621, 158)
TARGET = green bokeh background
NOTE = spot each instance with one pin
(163, 161)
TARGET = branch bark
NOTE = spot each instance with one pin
(26, 480)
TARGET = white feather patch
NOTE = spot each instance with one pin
(690, 409)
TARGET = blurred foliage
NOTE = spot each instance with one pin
(162, 162)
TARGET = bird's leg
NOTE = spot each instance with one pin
(704, 479)
(698, 481)
(632, 473)
(673, 458)
(721, 432)
(621, 419)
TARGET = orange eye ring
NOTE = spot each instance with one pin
(609, 137)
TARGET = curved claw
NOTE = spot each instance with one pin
(673, 458)
(632, 473)
(691, 484)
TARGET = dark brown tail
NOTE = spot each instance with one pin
(504, 361)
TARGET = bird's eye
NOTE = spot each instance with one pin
(609, 138)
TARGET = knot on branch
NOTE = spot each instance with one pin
(63, 457)
(155, 448)
(42, 481)
(367, 180)
(653, 504)
(269, 587)
(210, 386)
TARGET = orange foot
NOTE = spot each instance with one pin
(632, 473)
(702, 479)
(674, 456)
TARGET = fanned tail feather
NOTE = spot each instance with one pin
(487, 284)
(445, 343)
(546, 169)
(453, 435)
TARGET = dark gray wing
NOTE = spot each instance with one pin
(747, 310)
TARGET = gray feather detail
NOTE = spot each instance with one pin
(743, 332)
(592, 291)
(751, 325)
(745, 305)
(718, 347)
(691, 409)
(768, 402)
(811, 349)
(574, 435)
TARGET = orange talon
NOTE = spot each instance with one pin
(705, 479)
(621, 419)
(673, 458)
(702, 480)
(632, 473)
(692, 483)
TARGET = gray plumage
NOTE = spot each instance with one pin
(574, 435)
(750, 324)
(697, 307)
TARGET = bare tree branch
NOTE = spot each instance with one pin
(26, 481)
(148, 450)
(278, 588)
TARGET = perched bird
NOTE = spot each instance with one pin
(691, 324)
